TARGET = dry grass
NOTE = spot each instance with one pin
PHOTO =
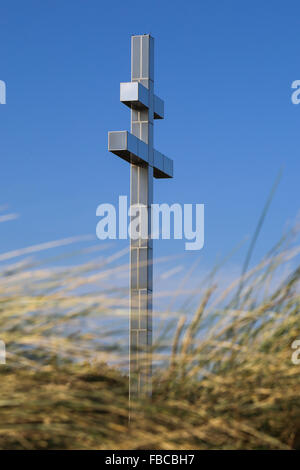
(226, 382)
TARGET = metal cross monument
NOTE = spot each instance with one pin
(145, 162)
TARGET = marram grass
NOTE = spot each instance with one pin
(225, 381)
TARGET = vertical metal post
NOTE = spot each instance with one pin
(141, 250)
(136, 147)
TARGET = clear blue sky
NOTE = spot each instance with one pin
(224, 70)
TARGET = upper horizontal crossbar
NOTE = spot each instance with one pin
(136, 96)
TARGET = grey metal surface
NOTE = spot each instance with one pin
(136, 96)
(136, 147)
(135, 150)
